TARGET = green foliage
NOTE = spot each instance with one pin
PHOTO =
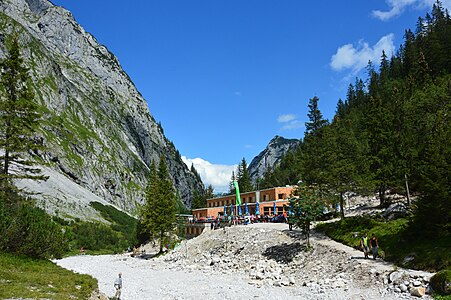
(242, 177)
(19, 117)
(397, 240)
(26, 278)
(121, 222)
(97, 237)
(441, 282)
(307, 208)
(158, 215)
(94, 236)
(28, 230)
(200, 198)
(394, 125)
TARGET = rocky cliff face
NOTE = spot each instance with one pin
(98, 129)
(271, 156)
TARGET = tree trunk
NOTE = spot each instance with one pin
(382, 189)
(407, 190)
(342, 211)
(161, 242)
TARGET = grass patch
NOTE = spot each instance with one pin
(41, 279)
(397, 241)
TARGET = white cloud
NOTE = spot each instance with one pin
(286, 118)
(216, 175)
(295, 124)
(237, 93)
(355, 58)
(397, 7)
(290, 122)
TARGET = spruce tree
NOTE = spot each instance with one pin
(231, 183)
(159, 212)
(316, 120)
(19, 118)
(244, 180)
(313, 153)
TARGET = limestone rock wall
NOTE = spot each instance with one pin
(98, 129)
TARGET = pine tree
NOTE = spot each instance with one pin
(244, 180)
(316, 120)
(209, 192)
(231, 183)
(159, 212)
(19, 119)
(313, 159)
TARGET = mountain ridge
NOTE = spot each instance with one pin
(98, 129)
(270, 156)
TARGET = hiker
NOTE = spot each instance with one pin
(212, 225)
(374, 245)
(364, 244)
(118, 286)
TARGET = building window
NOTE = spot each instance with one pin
(280, 196)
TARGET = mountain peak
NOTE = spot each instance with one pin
(271, 156)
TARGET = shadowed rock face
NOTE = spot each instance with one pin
(97, 126)
(271, 156)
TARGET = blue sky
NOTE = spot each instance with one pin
(225, 76)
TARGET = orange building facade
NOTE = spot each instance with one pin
(266, 199)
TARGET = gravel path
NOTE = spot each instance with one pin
(213, 266)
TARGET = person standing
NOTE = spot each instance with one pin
(374, 246)
(118, 286)
(364, 243)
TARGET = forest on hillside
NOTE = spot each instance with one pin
(391, 133)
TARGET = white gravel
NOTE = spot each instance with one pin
(143, 280)
(183, 279)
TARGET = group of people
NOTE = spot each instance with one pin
(369, 244)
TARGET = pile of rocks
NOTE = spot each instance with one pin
(266, 255)
(413, 283)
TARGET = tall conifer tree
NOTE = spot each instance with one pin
(19, 118)
(159, 212)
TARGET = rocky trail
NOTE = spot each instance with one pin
(258, 261)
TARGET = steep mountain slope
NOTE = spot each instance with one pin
(270, 156)
(98, 129)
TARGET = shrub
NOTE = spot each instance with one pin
(94, 236)
(30, 231)
(120, 222)
(441, 282)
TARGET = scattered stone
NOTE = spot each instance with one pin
(417, 283)
(418, 291)
(397, 276)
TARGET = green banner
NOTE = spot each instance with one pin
(237, 190)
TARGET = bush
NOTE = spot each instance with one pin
(96, 236)
(441, 282)
(120, 222)
(30, 231)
